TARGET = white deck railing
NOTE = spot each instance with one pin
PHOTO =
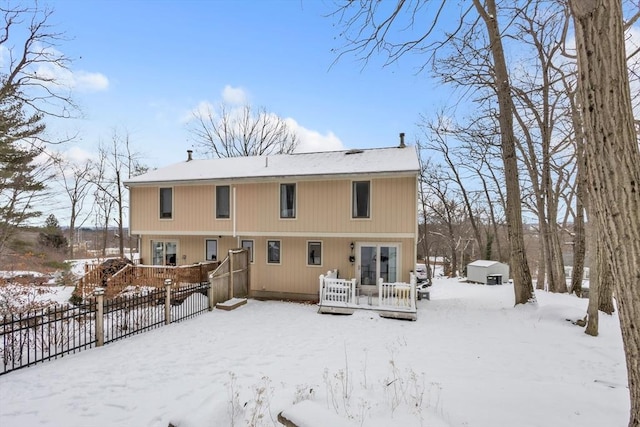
(337, 291)
(398, 296)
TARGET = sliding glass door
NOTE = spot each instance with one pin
(376, 260)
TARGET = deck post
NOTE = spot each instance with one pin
(230, 275)
(381, 295)
(167, 302)
(353, 291)
(321, 286)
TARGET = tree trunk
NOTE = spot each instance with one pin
(522, 283)
(594, 283)
(612, 157)
(579, 249)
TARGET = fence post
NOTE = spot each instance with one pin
(230, 274)
(99, 293)
(210, 295)
(167, 302)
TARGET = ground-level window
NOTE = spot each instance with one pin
(273, 251)
(361, 203)
(314, 253)
(166, 203)
(248, 244)
(163, 252)
(222, 201)
(287, 200)
(211, 248)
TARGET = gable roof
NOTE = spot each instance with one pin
(376, 160)
(483, 263)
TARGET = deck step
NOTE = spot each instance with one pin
(231, 304)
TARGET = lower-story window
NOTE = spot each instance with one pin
(273, 251)
(314, 253)
(211, 247)
(164, 252)
(248, 245)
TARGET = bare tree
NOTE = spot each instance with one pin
(27, 96)
(612, 158)
(234, 132)
(369, 28)
(117, 162)
(33, 64)
(76, 181)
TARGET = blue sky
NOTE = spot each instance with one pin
(147, 64)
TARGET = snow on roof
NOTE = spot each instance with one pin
(483, 263)
(376, 160)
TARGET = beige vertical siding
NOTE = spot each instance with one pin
(323, 213)
(321, 207)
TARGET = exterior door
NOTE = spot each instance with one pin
(376, 260)
(163, 252)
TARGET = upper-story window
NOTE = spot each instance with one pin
(361, 203)
(166, 203)
(287, 200)
(222, 201)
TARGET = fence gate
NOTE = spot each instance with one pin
(231, 278)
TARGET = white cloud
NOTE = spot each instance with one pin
(234, 95)
(203, 109)
(82, 81)
(312, 141)
(77, 155)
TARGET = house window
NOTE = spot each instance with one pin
(166, 203)
(222, 201)
(248, 244)
(211, 248)
(361, 199)
(314, 253)
(273, 251)
(287, 200)
(163, 252)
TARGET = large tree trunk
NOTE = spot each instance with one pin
(594, 282)
(522, 284)
(613, 157)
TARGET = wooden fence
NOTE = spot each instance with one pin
(231, 278)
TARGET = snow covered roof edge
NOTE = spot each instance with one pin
(373, 160)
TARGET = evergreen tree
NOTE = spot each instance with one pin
(20, 177)
(52, 235)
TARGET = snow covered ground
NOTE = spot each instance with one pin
(470, 359)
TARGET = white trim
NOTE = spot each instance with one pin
(279, 249)
(252, 257)
(295, 201)
(205, 247)
(321, 253)
(172, 204)
(377, 245)
(370, 207)
(215, 203)
(164, 249)
(310, 234)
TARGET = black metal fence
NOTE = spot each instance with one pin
(29, 338)
(37, 336)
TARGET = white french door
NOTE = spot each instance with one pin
(374, 260)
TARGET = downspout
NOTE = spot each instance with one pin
(234, 211)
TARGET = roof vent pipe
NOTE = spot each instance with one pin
(266, 162)
(189, 155)
(402, 145)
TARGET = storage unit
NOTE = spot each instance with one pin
(479, 271)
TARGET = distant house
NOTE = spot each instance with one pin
(479, 270)
(300, 215)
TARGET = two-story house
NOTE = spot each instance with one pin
(299, 215)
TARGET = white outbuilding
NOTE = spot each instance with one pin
(487, 272)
